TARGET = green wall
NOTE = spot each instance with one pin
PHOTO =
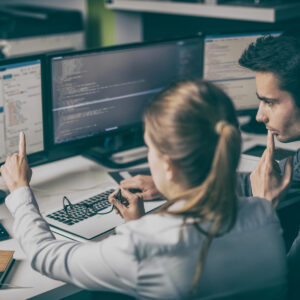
(100, 24)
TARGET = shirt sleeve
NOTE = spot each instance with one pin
(293, 194)
(107, 265)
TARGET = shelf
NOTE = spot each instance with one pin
(246, 13)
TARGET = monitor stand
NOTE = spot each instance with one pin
(254, 127)
(117, 160)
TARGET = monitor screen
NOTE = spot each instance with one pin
(21, 105)
(221, 55)
(105, 90)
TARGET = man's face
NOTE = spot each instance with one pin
(277, 108)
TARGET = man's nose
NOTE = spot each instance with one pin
(261, 115)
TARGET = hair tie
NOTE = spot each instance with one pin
(220, 126)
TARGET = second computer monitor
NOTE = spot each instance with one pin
(21, 107)
(221, 56)
(106, 90)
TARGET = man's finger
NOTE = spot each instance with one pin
(22, 144)
(270, 145)
(263, 157)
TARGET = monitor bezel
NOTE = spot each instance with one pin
(39, 157)
(74, 147)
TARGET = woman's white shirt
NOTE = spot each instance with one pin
(150, 259)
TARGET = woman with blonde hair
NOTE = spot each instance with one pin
(204, 243)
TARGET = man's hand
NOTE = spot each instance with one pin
(131, 211)
(266, 180)
(143, 183)
(16, 172)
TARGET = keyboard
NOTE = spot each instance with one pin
(82, 209)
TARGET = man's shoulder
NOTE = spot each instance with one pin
(296, 161)
(296, 165)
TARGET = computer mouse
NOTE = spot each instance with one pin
(2, 196)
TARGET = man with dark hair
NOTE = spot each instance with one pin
(276, 61)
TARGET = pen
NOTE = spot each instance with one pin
(119, 197)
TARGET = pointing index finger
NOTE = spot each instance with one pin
(270, 145)
(22, 144)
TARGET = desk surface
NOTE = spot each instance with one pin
(50, 182)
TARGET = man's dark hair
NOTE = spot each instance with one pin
(279, 55)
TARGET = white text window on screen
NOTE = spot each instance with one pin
(20, 107)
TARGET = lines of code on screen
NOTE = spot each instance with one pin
(104, 91)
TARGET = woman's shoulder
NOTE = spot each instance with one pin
(154, 234)
(152, 223)
(252, 213)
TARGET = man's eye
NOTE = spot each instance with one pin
(269, 103)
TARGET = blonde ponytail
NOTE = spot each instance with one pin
(201, 137)
(220, 181)
(217, 187)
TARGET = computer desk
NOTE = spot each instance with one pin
(50, 182)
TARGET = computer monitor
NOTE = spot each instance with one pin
(21, 107)
(221, 55)
(100, 92)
